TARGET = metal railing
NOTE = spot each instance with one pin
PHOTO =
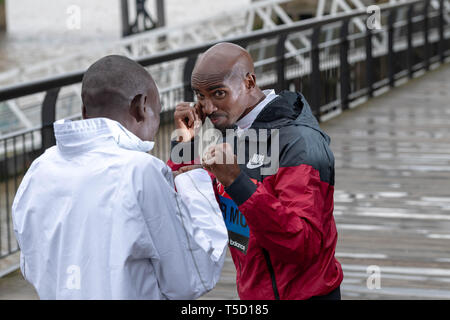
(338, 74)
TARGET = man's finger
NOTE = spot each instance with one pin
(183, 105)
(184, 112)
(209, 154)
(209, 160)
(211, 150)
(189, 168)
(197, 120)
(200, 113)
(187, 117)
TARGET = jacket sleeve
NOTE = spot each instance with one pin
(186, 230)
(284, 212)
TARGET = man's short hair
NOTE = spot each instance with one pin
(113, 81)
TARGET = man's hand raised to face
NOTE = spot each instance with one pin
(188, 119)
(221, 161)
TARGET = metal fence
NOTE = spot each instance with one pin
(338, 69)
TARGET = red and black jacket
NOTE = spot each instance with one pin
(282, 233)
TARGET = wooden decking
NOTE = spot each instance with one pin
(392, 198)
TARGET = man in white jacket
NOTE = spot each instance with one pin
(96, 217)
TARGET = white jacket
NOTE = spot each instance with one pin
(98, 218)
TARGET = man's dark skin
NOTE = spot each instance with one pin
(120, 89)
(225, 85)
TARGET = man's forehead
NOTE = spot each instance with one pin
(214, 77)
(209, 80)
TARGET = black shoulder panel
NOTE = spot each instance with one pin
(304, 145)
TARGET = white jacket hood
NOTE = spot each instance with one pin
(70, 134)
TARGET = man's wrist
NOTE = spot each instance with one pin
(241, 189)
(229, 180)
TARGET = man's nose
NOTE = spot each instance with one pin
(208, 107)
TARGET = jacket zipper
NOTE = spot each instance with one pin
(272, 274)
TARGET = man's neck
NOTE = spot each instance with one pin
(258, 98)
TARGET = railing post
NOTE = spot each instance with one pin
(391, 53)
(410, 51)
(345, 69)
(7, 206)
(161, 14)
(281, 62)
(126, 29)
(441, 31)
(426, 44)
(315, 85)
(48, 118)
(369, 63)
(187, 73)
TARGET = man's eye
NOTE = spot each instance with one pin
(200, 96)
(219, 94)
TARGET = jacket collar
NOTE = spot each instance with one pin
(288, 108)
(247, 121)
(73, 136)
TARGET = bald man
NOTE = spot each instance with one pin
(97, 217)
(282, 234)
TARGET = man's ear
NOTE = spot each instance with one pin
(250, 81)
(137, 107)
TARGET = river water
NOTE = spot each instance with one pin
(40, 30)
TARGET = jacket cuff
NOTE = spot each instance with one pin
(241, 189)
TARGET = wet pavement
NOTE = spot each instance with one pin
(392, 198)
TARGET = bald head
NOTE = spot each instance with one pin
(220, 62)
(111, 84)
